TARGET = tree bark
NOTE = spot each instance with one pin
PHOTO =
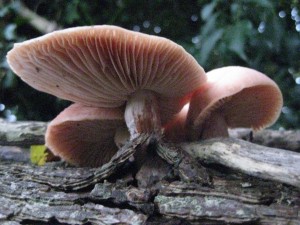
(26, 198)
(24, 133)
(252, 159)
(285, 139)
(219, 181)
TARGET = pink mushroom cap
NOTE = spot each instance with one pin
(84, 136)
(103, 66)
(233, 97)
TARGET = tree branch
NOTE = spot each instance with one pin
(285, 139)
(26, 133)
(22, 133)
(252, 159)
(255, 160)
(41, 24)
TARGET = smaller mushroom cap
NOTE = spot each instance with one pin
(242, 96)
(84, 136)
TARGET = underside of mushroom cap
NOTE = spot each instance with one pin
(84, 136)
(245, 98)
(102, 66)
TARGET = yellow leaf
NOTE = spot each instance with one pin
(38, 154)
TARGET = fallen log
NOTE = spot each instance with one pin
(248, 184)
(26, 133)
(233, 199)
(22, 133)
(285, 139)
(252, 159)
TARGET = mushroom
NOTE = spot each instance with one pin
(110, 67)
(220, 104)
(232, 97)
(84, 136)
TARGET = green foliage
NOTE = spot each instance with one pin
(261, 34)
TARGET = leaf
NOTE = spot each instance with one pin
(4, 11)
(275, 33)
(262, 3)
(9, 80)
(207, 10)
(73, 13)
(210, 25)
(38, 154)
(9, 32)
(208, 44)
(236, 36)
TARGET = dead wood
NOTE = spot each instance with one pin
(26, 133)
(219, 181)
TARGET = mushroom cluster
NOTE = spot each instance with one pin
(232, 97)
(124, 84)
(107, 71)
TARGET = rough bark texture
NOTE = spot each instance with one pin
(22, 133)
(192, 183)
(284, 139)
(252, 159)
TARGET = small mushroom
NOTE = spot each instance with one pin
(233, 97)
(108, 66)
(84, 136)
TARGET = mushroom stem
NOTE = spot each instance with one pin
(142, 114)
(214, 126)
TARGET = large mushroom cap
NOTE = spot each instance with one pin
(84, 136)
(102, 66)
(243, 97)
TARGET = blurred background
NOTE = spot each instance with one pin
(261, 34)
